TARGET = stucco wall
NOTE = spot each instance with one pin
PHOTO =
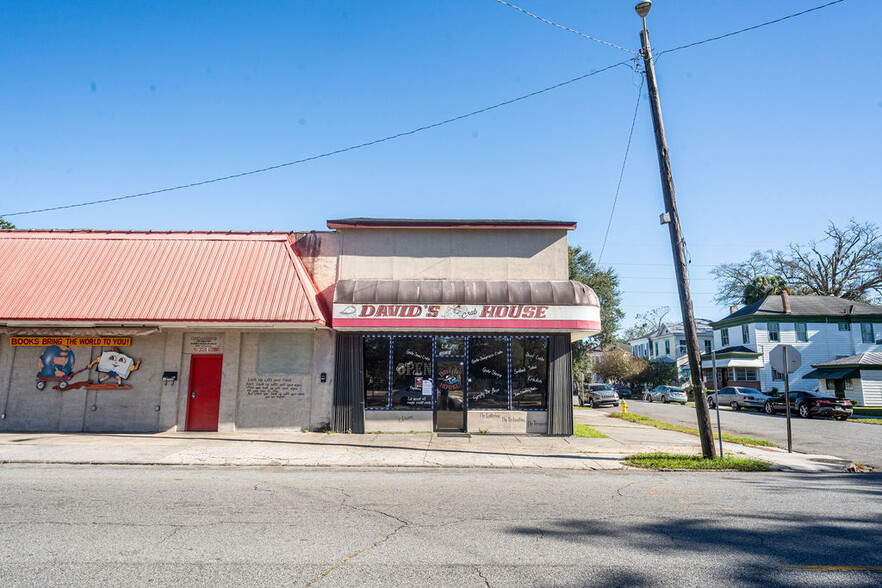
(450, 254)
(154, 405)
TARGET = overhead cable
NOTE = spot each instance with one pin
(622, 173)
(252, 172)
(554, 24)
(754, 27)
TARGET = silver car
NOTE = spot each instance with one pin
(599, 395)
(666, 394)
(738, 398)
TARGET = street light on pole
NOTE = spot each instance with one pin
(672, 219)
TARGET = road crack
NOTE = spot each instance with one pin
(482, 576)
(357, 553)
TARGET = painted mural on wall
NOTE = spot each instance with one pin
(113, 367)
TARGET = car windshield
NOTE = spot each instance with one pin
(676, 390)
(601, 388)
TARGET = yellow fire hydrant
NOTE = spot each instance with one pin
(624, 407)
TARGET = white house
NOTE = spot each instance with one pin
(857, 377)
(668, 344)
(822, 328)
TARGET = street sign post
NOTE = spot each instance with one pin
(785, 360)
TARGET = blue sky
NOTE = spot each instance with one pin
(772, 133)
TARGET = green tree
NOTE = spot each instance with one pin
(762, 286)
(5, 224)
(605, 284)
(616, 365)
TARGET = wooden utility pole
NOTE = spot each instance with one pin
(705, 430)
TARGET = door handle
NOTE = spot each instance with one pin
(192, 395)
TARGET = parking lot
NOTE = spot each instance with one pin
(849, 439)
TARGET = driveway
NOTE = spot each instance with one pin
(849, 439)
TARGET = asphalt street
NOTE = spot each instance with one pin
(851, 440)
(237, 526)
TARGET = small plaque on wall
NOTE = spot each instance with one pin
(204, 344)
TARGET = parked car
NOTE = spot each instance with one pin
(666, 394)
(622, 390)
(809, 404)
(598, 395)
(738, 398)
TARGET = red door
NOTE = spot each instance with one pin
(203, 398)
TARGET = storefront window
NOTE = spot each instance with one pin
(503, 372)
(411, 364)
(529, 372)
(376, 372)
(488, 373)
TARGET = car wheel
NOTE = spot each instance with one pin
(711, 404)
(841, 418)
(734, 405)
(664, 399)
(803, 411)
(649, 398)
(581, 402)
(769, 408)
(593, 403)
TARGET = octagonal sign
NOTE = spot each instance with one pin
(794, 359)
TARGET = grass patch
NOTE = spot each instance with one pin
(580, 430)
(868, 410)
(645, 420)
(867, 421)
(676, 461)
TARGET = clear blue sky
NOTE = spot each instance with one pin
(772, 133)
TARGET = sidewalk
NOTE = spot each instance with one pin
(383, 450)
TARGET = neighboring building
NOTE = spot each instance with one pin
(374, 325)
(858, 378)
(821, 328)
(668, 344)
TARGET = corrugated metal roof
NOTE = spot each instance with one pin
(149, 277)
(561, 292)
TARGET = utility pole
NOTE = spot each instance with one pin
(670, 216)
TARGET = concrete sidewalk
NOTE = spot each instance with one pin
(383, 449)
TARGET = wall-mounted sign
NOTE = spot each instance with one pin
(204, 344)
(466, 316)
(70, 341)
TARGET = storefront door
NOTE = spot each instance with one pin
(203, 397)
(449, 395)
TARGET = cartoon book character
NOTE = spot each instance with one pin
(115, 364)
(56, 361)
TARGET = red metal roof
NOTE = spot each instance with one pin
(152, 277)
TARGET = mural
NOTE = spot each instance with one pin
(57, 361)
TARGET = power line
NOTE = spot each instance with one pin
(622, 173)
(322, 155)
(554, 24)
(754, 27)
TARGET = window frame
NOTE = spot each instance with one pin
(774, 333)
(745, 334)
(867, 328)
(801, 334)
(724, 336)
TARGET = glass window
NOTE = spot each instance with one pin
(801, 332)
(867, 333)
(667, 346)
(774, 332)
(707, 346)
(488, 373)
(844, 326)
(529, 372)
(830, 384)
(724, 336)
(745, 334)
(376, 372)
(450, 346)
(656, 347)
(682, 346)
(777, 376)
(411, 363)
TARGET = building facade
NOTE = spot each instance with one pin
(821, 328)
(373, 325)
(668, 344)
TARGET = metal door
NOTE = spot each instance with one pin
(203, 395)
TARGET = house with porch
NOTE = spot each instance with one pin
(821, 328)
